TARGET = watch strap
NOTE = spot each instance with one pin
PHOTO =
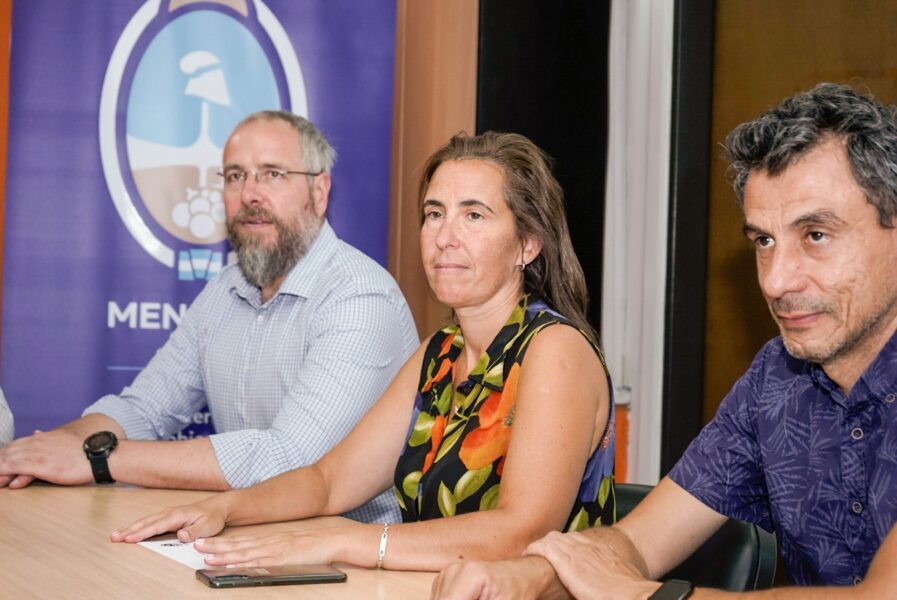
(674, 589)
(100, 467)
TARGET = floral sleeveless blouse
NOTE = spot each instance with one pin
(452, 464)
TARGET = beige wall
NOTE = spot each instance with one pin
(765, 51)
(5, 31)
(435, 97)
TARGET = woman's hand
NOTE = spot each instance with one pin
(191, 522)
(516, 578)
(317, 546)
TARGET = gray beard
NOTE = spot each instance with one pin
(261, 265)
(834, 349)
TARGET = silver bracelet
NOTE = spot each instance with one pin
(381, 553)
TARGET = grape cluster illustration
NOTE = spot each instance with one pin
(200, 213)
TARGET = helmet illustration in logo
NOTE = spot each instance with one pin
(182, 75)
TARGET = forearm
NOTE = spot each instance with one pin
(431, 545)
(296, 494)
(92, 423)
(187, 465)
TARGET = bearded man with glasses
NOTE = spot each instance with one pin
(288, 348)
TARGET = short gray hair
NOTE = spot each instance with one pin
(776, 139)
(317, 154)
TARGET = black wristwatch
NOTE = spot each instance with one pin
(674, 589)
(98, 446)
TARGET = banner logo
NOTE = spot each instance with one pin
(181, 76)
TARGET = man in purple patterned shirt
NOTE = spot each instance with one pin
(805, 443)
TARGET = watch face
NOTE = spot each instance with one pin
(99, 441)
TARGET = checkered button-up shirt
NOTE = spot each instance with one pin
(286, 380)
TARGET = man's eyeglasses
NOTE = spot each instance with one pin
(271, 178)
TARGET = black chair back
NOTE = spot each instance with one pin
(739, 557)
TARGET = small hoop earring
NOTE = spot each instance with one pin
(521, 267)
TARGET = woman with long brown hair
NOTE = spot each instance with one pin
(496, 431)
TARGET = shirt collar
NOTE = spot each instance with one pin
(880, 377)
(301, 280)
(877, 381)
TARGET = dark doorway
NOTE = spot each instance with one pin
(543, 73)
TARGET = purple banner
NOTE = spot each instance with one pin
(118, 112)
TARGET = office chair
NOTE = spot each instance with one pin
(739, 557)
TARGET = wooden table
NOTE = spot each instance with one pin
(54, 543)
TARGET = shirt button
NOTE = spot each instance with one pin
(856, 433)
(259, 317)
(890, 398)
(857, 507)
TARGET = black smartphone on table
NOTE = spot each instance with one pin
(282, 575)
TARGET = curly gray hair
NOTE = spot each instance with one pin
(776, 139)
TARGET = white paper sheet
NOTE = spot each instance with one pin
(177, 550)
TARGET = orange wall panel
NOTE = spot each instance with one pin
(5, 38)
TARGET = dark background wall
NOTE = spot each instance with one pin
(542, 72)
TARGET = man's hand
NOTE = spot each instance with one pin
(519, 578)
(592, 570)
(56, 456)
